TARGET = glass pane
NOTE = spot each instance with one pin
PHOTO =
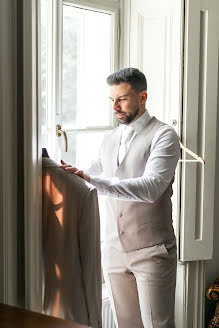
(86, 64)
(44, 61)
(44, 141)
(82, 148)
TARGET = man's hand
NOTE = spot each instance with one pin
(74, 170)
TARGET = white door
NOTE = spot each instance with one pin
(175, 43)
(156, 48)
(200, 103)
(178, 50)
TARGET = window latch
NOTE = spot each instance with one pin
(59, 133)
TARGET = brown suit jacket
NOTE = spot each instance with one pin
(71, 247)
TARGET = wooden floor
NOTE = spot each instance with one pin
(13, 317)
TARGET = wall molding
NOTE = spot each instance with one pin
(195, 294)
(190, 295)
(8, 188)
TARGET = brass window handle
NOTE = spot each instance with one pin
(60, 132)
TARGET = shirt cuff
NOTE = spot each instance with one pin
(103, 185)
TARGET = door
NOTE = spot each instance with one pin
(176, 45)
(156, 48)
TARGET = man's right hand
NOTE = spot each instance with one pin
(74, 170)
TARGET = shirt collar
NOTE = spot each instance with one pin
(140, 123)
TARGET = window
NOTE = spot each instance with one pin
(76, 57)
(86, 62)
(79, 49)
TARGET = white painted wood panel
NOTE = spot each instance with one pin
(156, 49)
(32, 156)
(199, 128)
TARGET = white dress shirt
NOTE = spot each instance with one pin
(159, 169)
(126, 139)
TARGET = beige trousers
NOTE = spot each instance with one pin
(141, 285)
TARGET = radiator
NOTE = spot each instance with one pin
(107, 315)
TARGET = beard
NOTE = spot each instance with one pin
(127, 118)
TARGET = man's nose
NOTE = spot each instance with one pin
(115, 106)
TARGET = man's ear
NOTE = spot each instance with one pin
(143, 97)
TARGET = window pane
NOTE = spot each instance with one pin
(82, 148)
(44, 61)
(86, 64)
(44, 141)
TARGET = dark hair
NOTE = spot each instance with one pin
(130, 75)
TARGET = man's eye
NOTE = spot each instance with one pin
(118, 100)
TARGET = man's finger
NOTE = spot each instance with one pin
(80, 173)
(71, 169)
(65, 166)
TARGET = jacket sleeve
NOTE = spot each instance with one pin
(89, 239)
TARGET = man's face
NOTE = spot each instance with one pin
(127, 104)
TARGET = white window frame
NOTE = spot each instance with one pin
(32, 156)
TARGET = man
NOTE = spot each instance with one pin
(138, 161)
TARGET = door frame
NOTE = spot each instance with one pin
(32, 157)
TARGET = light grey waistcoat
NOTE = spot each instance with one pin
(139, 224)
